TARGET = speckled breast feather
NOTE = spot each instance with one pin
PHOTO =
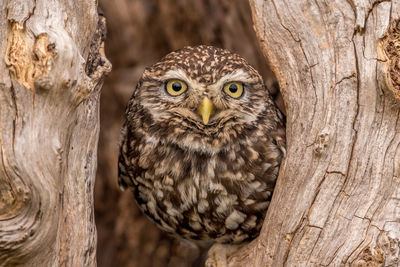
(199, 181)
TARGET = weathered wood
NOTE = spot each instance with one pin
(337, 201)
(51, 69)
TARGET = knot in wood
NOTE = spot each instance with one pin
(28, 58)
(389, 52)
(369, 258)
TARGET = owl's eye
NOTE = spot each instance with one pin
(234, 89)
(175, 87)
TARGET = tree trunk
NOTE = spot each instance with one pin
(51, 71)
(337, 200)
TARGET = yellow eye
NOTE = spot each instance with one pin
(175, 87)
(234, 89)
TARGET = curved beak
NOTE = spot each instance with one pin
(205, 109)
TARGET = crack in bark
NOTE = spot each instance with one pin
(353, 75)
(337, 172)
(334, 254)
(354, 120)
(314, 226)
(312, 79)
(14, 104)
(329, 212)
(315, 244)
(280, 21)
(292, 235)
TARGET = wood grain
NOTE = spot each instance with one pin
(49, 125)
(336, 202)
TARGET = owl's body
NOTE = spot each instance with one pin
(202, 145)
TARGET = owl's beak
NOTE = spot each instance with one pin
(205, 109)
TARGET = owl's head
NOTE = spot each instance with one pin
(203, 98)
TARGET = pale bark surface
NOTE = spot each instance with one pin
(51, 69)
(337, 201)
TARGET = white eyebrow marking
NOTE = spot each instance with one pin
(177, 74)
(238, 75)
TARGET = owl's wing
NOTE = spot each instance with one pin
(127, 162)
(279, 137)
(124, 165)
(279, 134)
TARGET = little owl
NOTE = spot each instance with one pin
(201, 145)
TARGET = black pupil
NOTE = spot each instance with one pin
(176, 86)
(233, 88)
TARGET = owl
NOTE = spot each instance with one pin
(201, 145)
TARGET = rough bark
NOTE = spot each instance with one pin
(51, 69)
(337, 201)
(140, 32)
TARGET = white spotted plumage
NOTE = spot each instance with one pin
(201, 180)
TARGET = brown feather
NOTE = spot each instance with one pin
(208, 182)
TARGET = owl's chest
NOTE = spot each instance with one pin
(199, 196)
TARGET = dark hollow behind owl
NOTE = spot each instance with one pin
(201, 145)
